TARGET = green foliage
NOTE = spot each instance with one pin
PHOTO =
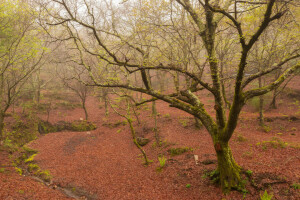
(45, 175)
(162, 161)
(2, 170)
(296, 186)
(9, 145)
(33, 167)
(266, 196)
(188, 185)
(249, 172)
(266, 129)
(30, 159)
(183, 122)
(19, 170)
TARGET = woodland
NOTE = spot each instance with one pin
(149, 99)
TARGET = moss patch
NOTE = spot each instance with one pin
(78, 125)
(178, 151)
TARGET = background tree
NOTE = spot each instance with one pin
(21, 52)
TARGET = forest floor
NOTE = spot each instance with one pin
(105, 164)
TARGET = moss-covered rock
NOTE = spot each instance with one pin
(78, 125)
(178, 151)
(142, 141)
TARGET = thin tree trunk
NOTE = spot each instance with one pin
(135, 141)
(261, 105)
(154, 113)
(273, 104)
(1, 125)
(106, 106)
(85, 111)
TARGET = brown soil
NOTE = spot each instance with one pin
(105, 164)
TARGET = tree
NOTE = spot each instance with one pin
(124, 41)
(21, 52)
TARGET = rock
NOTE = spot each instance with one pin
(142, 141)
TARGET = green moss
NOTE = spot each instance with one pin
(178, 151)
(82, 126)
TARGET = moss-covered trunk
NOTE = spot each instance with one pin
(228, 171)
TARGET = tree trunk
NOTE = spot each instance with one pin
(228, 171)
(261, 105)
(1, 125)
(154, 114)
(106, 106)
(273, 103)
(135, 141)
(85, 111)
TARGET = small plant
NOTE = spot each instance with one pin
(45, 175)
(266, 129)
(162, 162)
(249, 172)
(2, 170)
(266, 196)
(241, 138)
(33, 167)
(167, 116)
(21, 191)
(296, 186)
(188, 185)
(183, 122)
